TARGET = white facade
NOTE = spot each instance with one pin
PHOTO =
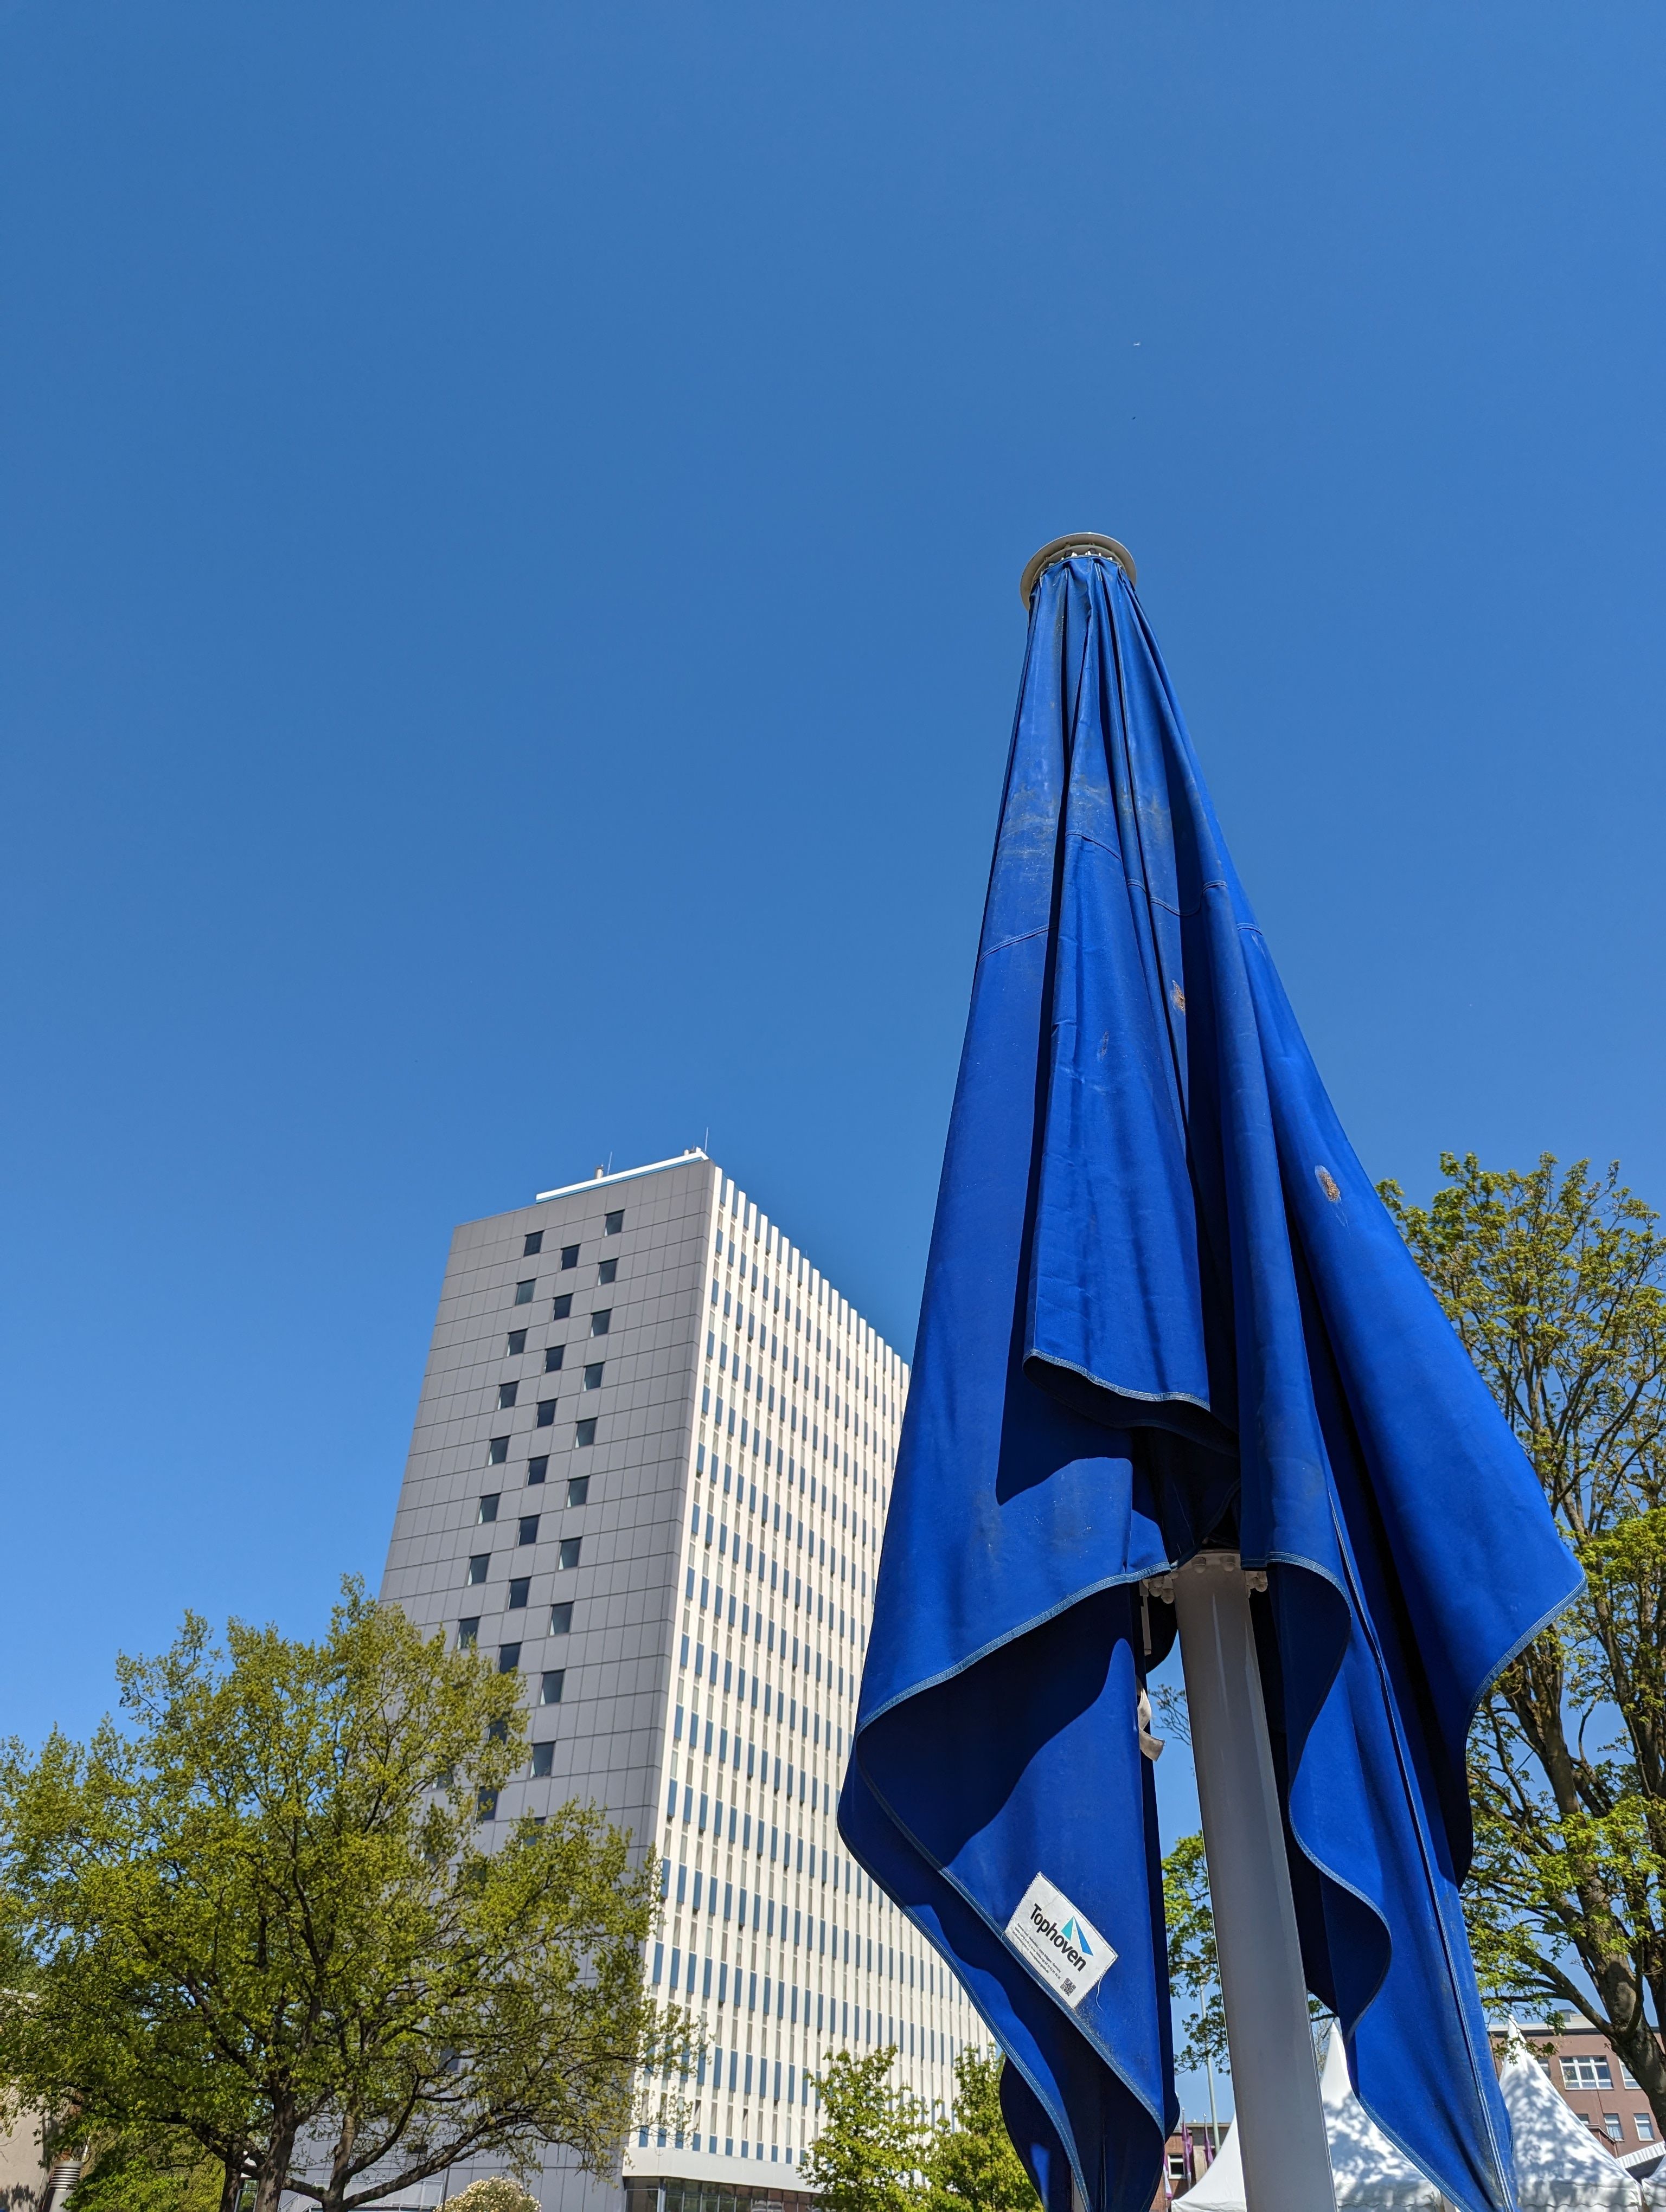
(650, 1470)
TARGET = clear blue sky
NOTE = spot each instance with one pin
(509, 626)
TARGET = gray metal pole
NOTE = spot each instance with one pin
(1275, 2083)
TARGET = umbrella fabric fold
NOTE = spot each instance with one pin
(1163, 1307)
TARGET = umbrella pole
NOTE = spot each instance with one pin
(1275, 2083)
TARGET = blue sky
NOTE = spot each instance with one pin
(509, 624)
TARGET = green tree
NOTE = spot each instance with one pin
(160, 2173)
(259, 1918)
(1554, 1284)
(1194, 1970)
(970, 2164)
(872, 2150)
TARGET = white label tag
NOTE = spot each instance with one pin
(1052, 1938)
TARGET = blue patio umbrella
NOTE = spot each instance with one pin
(1165, 1310)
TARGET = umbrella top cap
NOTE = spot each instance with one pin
(1061, 549)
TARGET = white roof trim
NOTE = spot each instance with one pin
(624, 1174)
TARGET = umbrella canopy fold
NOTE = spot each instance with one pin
(1165, 1310)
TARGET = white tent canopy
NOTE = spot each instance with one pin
(1369, 2173)
(1560, 2165)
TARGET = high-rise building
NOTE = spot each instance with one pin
(649, 1474)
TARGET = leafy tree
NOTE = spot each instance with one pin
(132, 2174)
(1554, 1283)
(872, 2146)
(970, 2165)
(1194, 1969)
(261, 1920)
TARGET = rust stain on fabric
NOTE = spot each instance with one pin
(1328, 1184)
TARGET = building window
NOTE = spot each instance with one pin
(517, 1343)
(536, 1469)
(569, 1551)
(468, 1633)
(584, 1433)
(509, 1658)
(534, 1243)
(578, 1490)
(478, 1565)
(543, 1759)
(552, 1354)
(546, 1413)
(1643, 2123)
(569, 1255)
(1587, 2073)
(528, 1528)
(489, 1507)
(552, 1687)
(562, 1307)
(518, 1589)
(485, 1805)
(497, 1451)
(601, 1320)
(506, 1395)
(608, 1271)
(524, 1290)
(561, 1619)
(1613, 2127)
(612, 1223)
(592, 1375)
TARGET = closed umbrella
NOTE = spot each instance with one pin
(1166, 1321)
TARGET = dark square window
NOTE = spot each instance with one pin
(561, 1619)
(524, 1290)
(489, 1506)
(536, 1469)
(468, 1633)
(578, 1490)
(592, 1375)
(518, 1589)
(509, 1658)
(584, 1433)
(608, 1271)
(497, 1451)
(517, 1342)
(601, 1320)
(497, 1731)
(569, 1551)
(528, 1528)
(506, 1394)
(485, 1804)
(569, 1255)
(478, 1565)
(534, 1243)
(543, 1759)
(562, 1307)
(613, 1224)
(546, 1413)
(552, 1687)
(552, 1353)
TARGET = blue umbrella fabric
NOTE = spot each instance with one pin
(1164, 1309)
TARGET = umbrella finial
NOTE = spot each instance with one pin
(1061, 549)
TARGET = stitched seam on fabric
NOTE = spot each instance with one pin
(999, 1643)
(1121, 1391)
(1007, 943)
(1520, 1646)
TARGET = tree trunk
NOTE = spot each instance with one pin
(272, 2173)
